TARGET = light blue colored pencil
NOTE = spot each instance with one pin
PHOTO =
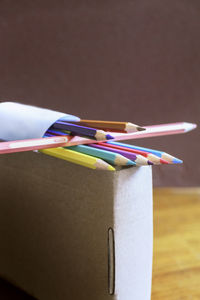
(161, 154)
(111, 157)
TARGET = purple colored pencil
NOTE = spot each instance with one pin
(137, 158)
(82, 130)
(56, 132)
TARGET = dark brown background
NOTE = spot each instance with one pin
(120, 60)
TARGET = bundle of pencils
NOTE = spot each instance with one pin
(92, 155)
(94, 144)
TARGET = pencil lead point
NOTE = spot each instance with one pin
(109, 137)
(177, 161)
(141, 128)
(164, 162)
(130, 163)
(110, 168)
(130, 127)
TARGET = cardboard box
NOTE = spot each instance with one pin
(68, 232)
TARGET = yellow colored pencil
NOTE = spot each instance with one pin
(78, 158)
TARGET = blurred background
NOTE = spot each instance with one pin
(130, 60)
(113, 60)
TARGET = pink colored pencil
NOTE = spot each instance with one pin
(33, 144)
(154, 130)
(157, 130)
(60, 141)
(151, 131)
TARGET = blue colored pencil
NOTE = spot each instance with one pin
(111, 157)
(171, 159)
(82, 130)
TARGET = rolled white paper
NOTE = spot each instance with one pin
(20, 121)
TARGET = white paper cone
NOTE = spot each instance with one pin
(20, 121)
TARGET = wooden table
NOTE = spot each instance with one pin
(176, 268)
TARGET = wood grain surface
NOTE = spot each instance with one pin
(176, 267)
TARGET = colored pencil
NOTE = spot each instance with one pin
(138, 159)
(56, 132)
(78, 158)
(157, 130)
(74, 141)
(77, 140)
(33, 144)
(163, 155)
(113, 158)
(111, 125)
(82, 130)
(153, 158)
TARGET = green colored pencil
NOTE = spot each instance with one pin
(111, 157)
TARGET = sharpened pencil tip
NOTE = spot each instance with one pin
(109, 137)
(102, 165)
(150, 163)
(177, 161)
(130, 127)
(164, 162)
(189, 126)
(110, 168)
(130, 163)
(101, 135)
(141, 128)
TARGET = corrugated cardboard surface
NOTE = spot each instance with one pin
(54, 218)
